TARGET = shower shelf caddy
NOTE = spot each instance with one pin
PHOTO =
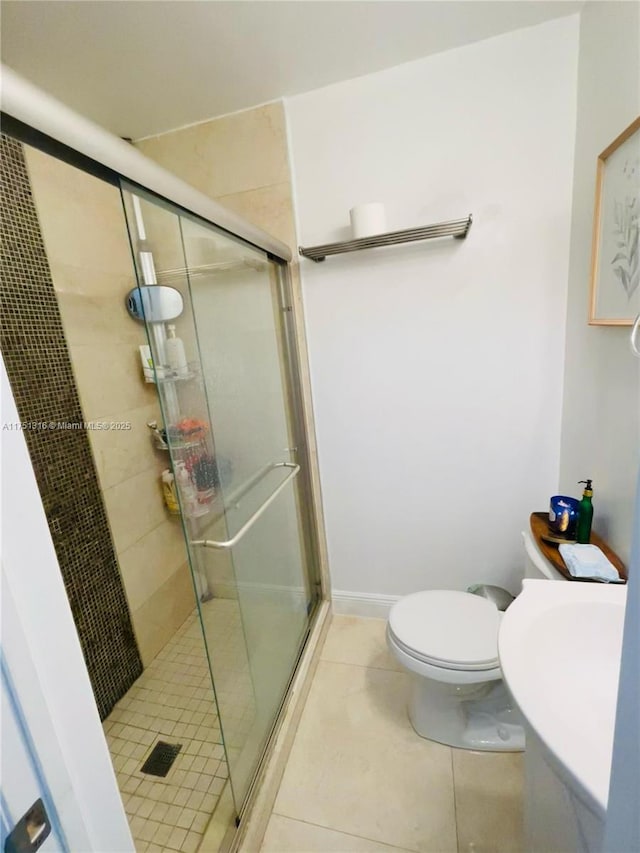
(458, 228)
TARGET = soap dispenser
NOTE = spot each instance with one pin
(585, 514)
(174, 349)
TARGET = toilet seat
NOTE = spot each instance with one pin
(447, 629)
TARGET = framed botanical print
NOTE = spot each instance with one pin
(615, 254)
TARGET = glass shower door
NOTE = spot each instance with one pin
(230, 424)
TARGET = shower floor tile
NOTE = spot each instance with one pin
(172, 701)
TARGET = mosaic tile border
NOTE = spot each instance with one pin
(39, 368)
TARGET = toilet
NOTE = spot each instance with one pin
(448, 640)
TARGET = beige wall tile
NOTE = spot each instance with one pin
(489, 801)
(228, 154)
(260, 191)
(97, 320)
(120, 454)
(269, 207)
(81, 216)
(86, 239)
(83, 281)
(242, 160)
(109, 378)
(134, 507)
(157, 620)
(151, 561)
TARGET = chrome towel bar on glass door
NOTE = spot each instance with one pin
(635, 337)
(229, 543)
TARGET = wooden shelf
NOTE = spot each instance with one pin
(539, 525)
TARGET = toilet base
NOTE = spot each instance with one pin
(470, 716)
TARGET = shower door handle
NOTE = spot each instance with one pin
(635, 334)
(225, 544)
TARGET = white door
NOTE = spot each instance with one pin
(53, 748)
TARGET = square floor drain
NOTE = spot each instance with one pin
(161, 758)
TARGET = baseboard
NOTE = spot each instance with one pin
(362, 603)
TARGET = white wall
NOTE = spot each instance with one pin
(601, 417)
(437, 368)
(622, 831)
(41, 650)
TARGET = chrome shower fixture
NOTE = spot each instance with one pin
(156, 303)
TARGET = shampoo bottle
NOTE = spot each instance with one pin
(147, 363)
(187, 489)
(169, 492)
(585, 515)
(174, 349)
(188, 492)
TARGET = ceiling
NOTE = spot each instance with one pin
(141, 67)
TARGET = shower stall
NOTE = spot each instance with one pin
(234, 438)
(234, 434)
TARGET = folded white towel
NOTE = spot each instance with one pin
(588, 561)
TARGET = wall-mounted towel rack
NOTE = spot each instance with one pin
(458, 228)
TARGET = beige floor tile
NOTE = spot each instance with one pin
(359, 641)
(489, 801)
(358, 767)
(168, 814)
(176, 839)
(191, 842)
(285, 835)
(220, 824)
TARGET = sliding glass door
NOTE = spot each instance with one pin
(232, 433)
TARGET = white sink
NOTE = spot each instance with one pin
(560, 646)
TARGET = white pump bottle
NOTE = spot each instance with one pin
(175, 354)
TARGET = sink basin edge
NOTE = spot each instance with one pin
(560, 646)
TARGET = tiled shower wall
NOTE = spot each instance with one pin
(242, 161)
(85, 236)
(39, 368)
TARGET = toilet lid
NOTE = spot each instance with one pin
(451, 629)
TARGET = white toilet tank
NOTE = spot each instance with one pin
(535, 564)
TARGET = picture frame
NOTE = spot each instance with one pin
(615, 252)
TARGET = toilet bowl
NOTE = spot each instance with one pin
(448, 640)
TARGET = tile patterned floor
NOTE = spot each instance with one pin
(172, 701)
(360, 779)
(234, 689)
